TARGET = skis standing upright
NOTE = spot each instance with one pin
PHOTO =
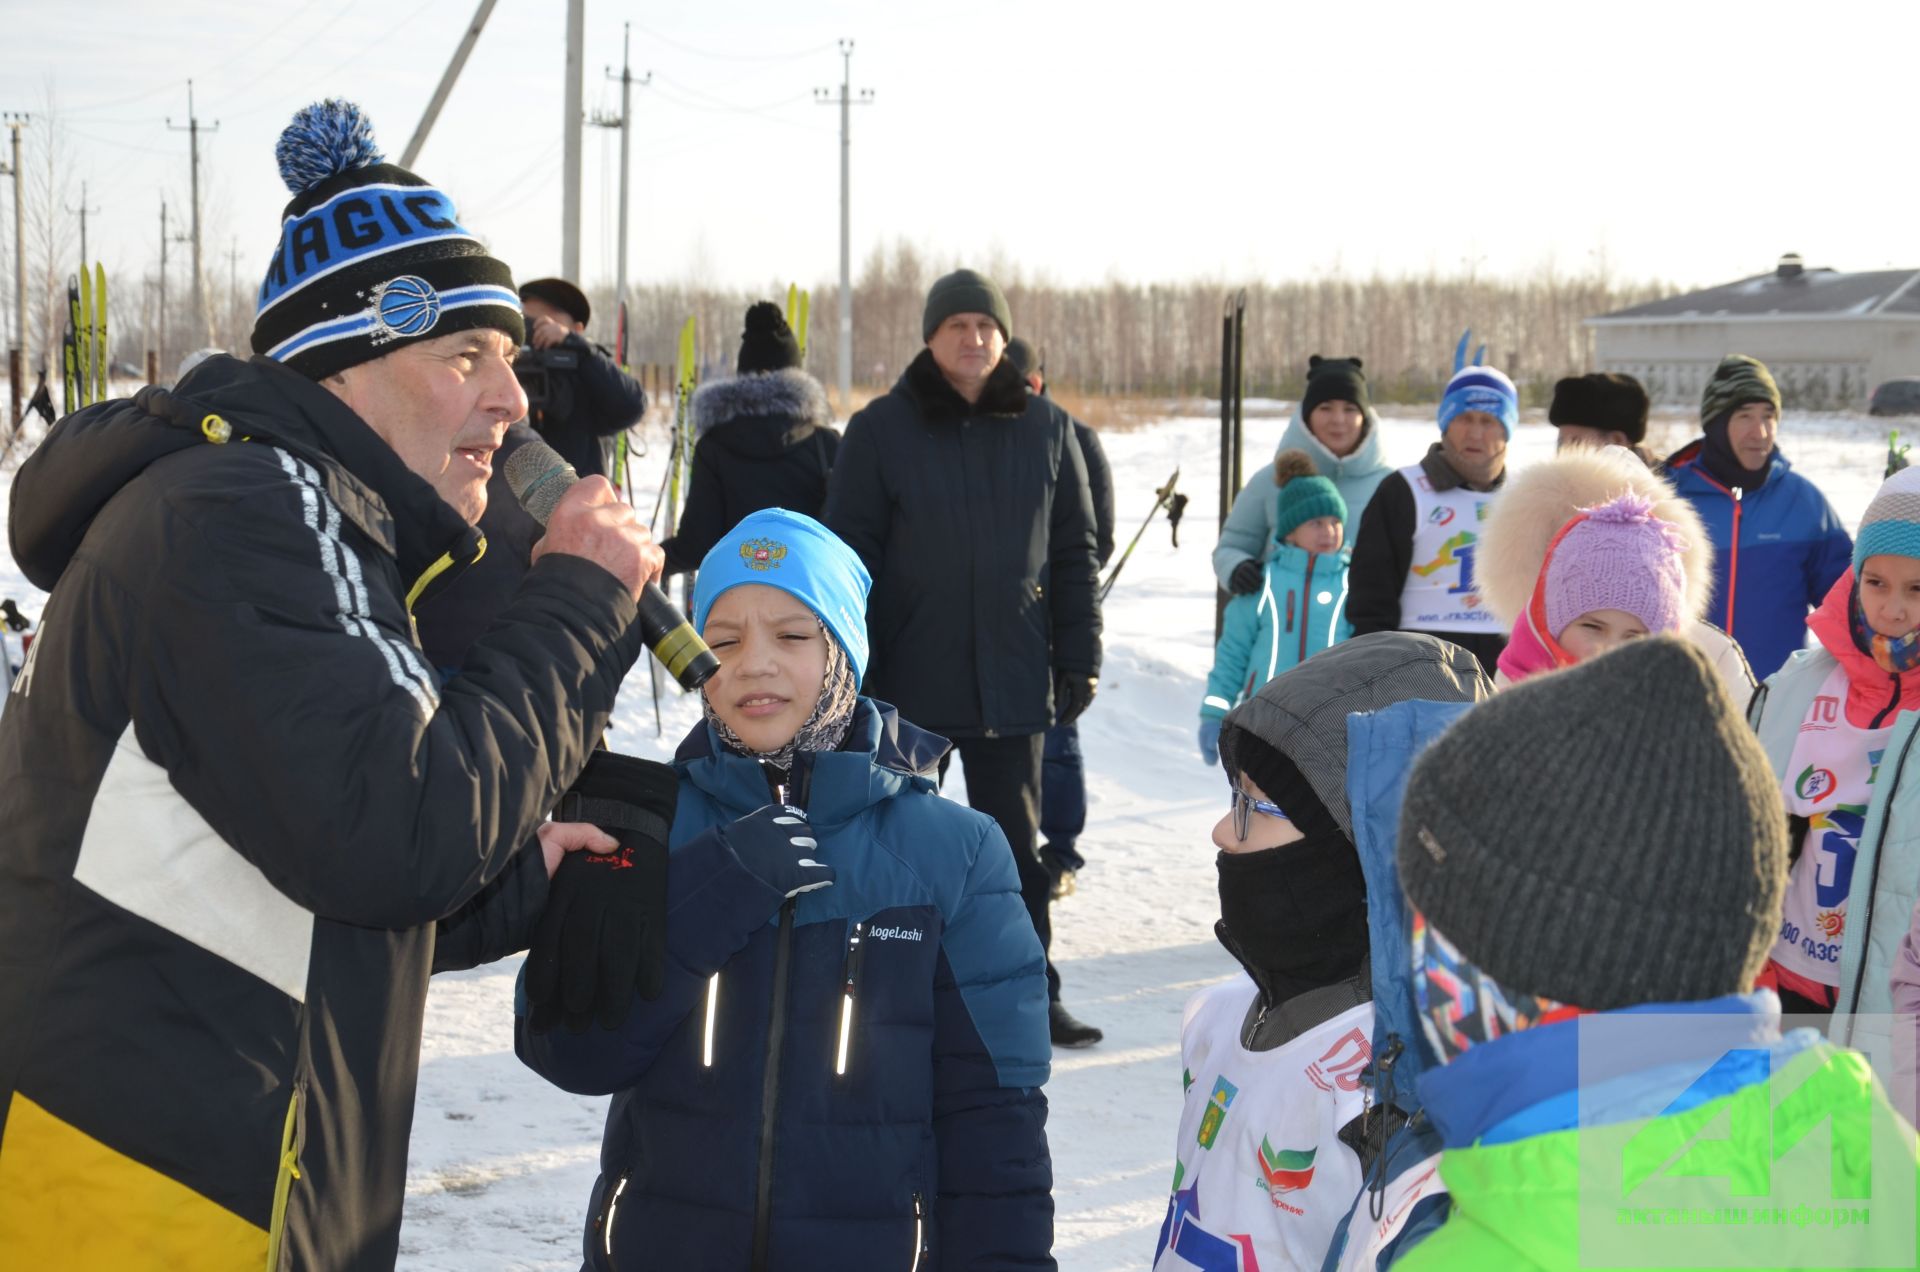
(683, 440)
(622, 469)
(679, 469)
(798, 305)
(1233, 343)
(70, 395)
(83, 338)
(100, 393)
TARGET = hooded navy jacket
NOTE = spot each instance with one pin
(731, 1114)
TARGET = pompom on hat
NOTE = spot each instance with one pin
(370, 257)
(767, 343)
(1617, 556)
(1304, 495)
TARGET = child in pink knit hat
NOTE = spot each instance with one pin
(1613, 574)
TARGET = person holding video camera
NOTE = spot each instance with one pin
(577, 395)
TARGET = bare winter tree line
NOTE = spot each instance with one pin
(1115, 339)
(1163, 339)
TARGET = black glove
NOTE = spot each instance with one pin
(1245, 578)
(1072, 694)
(776, 847)
(603, 934)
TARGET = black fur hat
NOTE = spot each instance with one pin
(1604, 400)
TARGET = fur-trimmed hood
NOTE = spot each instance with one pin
(790, 395)
(1368, 460)
(1538, 501)
(1005, 392)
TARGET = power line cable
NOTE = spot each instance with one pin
(672, 43)
(280, 26)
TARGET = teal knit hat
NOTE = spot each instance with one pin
(1303, 495)
(1892, 524)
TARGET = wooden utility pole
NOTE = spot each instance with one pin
(570, 144)
(15, 121)
(160, 344)
(192, 129)
(83, 209)
(625, 124)
(846, 101)
(451, 74)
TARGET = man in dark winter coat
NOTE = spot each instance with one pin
(582, 405)
(248, 819)
(1412, 565)
(1777, 543)
(765, 440)
(1063, 781)
(966, 496)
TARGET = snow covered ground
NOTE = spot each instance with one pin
(501, 1163)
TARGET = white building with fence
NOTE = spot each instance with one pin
(1828, 337)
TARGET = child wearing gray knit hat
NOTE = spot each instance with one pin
(1651, 815)
(1585, 950)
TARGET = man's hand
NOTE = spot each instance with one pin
(1245, 579)
(1072, 694)
(557, 839)
(602, 937)
(591, 521)
(544, 333)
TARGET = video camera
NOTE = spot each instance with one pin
(535, 369)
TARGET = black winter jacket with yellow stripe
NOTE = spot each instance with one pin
(239, 805)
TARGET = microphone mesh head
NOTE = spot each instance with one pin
(538, 477)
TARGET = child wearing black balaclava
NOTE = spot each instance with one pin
(1273, 1060)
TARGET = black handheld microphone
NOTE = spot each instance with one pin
(538, 478)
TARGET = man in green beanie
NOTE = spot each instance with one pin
(1777, 544)
(966, 495)
(1610, 1089)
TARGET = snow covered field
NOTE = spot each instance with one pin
(501, 1163)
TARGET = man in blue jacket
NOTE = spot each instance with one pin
(1777, 544)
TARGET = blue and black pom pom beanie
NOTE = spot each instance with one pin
(370, 257)
(801, 557)
(1892, 524)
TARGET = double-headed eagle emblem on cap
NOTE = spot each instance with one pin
(763, 554)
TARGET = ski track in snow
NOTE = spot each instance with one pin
(501, 1163)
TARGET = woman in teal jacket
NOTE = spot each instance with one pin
(1335, 425)
(1300, 607)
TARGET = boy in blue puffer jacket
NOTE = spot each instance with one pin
(843, 1068)
(1300, 607)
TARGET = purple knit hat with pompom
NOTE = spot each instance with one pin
(1618, 556)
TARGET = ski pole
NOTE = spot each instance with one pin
(1161, 497)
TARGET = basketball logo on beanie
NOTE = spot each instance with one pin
(405, 306)
(370, 256)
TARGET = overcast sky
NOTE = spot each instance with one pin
(1683, 140)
